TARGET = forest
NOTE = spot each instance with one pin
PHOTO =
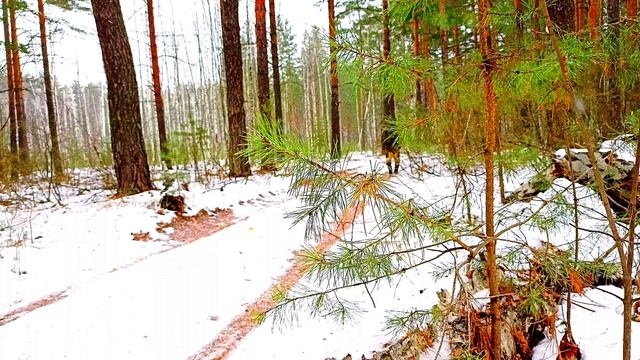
(319, 179)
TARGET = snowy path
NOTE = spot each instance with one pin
(165, 307)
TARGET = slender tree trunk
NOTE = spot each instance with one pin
(415, 31)
(592, 19)
(615, 101)
(627, 281)
(127, 142)
(157, 87)
(632, 9)
(335, 95)
(18, 87)
(429, 90)
(51, 111)
(536, 20)
(519, 23)
(456, 45)
(389, 108)
(238, 163)
(275, 62)
(444, 46)
(562, 14)
(262, 59)
(579, 15)
(489, 64)
(13, 125)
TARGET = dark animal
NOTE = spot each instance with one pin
(391, 148)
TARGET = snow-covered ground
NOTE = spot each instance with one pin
(161, 299)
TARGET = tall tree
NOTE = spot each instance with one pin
(13, 125)
(18, 89)
(127, 143)
(262, 59)
(519, 13)
(238, 163)
(275, 62)
(632, 9)
(592, 18)
(488, 66)
(615, 101)
(415, 32)
(444, 38)
(335, 95)
(579, 15)
(157, 87)
(56, 159)
(389, 136)
(563, 15)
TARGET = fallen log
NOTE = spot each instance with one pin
(614, 160)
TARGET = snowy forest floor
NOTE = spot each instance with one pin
(74, 284)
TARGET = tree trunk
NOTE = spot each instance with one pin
(536, 20)
(262, 59)
(51, 111)
(13, 125)
(389, 137)
(335, 95)
(275, 63)
(579, 15)
(18, 87)
(157, 87)
(488, 67)
(519, 23)
(415, 31)
(428, 87)
(563, 16)
(456, 45)
(238, 163)
(615, 101)
(444, 46)
(592, 19)
(127, 143)
(632, 9)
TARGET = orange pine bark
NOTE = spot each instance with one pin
(157, 88)
(335, 95)
(21, 116)
(444, 46)
(13, 126)
(48, 87)
(489, 64)
(415, 31)
(632, 9)
(592, 18)
(262, 58)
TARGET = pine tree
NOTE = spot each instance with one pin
(13, 124)
(127, 142)
(157, 88)
(335, 94)
(275, 62)
(56, 159)
(488, 67)
(18, 89)
(262, 59)
(238, 163)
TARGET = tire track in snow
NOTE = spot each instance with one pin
(21, 311)
(181, 237)
(231, 336)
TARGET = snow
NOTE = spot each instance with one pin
(622, 146)
(162, 299)
(596, 327)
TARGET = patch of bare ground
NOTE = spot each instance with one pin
(189, 228)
